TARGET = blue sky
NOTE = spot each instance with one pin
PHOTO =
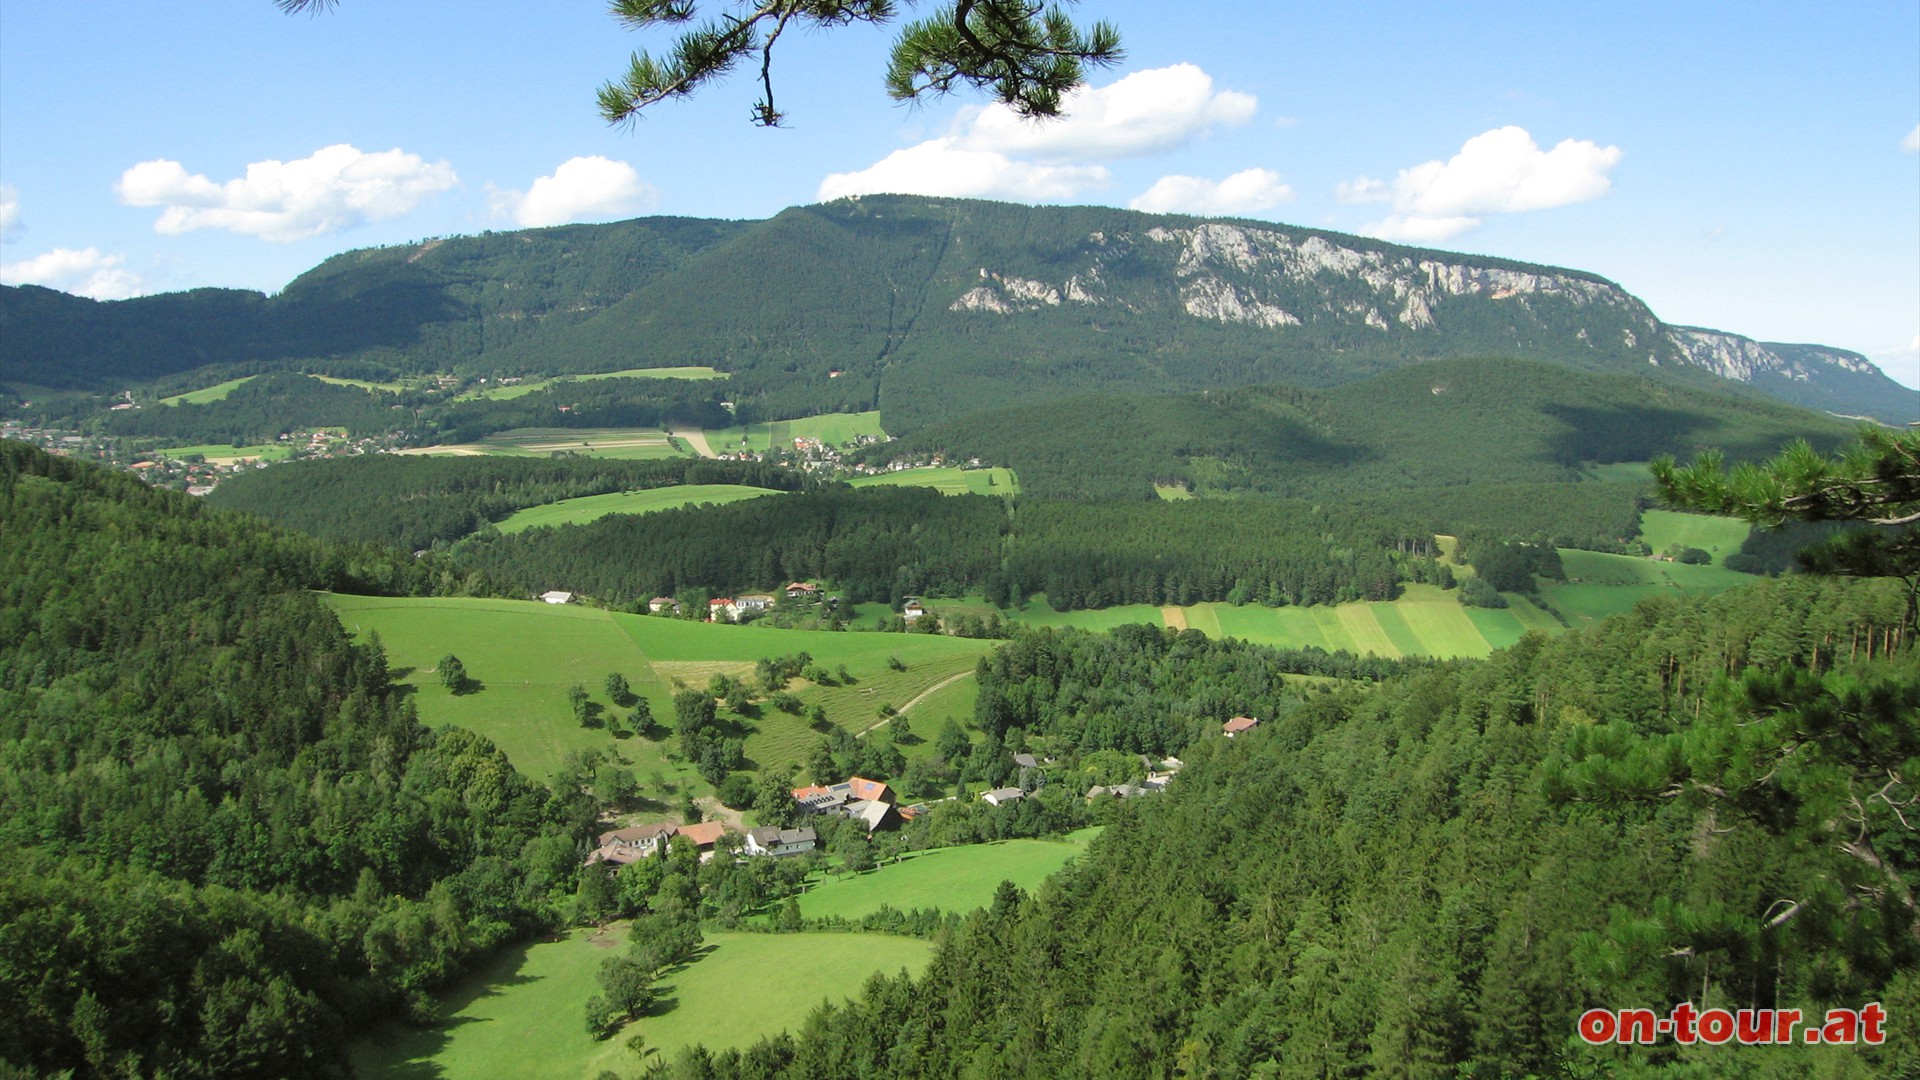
(1751, 167)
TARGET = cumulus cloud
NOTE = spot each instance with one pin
(1498, 172)
(942, 167)
(1245, 192)
(992, 152)
(9, 213)
(336, 188)
(1912, 141)
(581, 189)
(85, 273)
(1143, 113)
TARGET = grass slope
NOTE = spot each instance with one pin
(216, 392)
(592, 507)
(520, 1015)
(1717, 536)
(957, 879)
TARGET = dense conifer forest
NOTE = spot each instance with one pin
(882, 544)
(225, 839)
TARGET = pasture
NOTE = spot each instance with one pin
(956, 879)
(947, 480)
(520, 1015)
(525, 656)
(593, 507)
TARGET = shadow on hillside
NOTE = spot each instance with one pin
(1623, 432)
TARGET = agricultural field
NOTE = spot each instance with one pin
(526, 655)
(520, 1015)
(216, 392)
(833, 429)
(957, 879)
(593, 507)
(623, 443)
(948, 480)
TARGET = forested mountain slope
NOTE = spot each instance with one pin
(927, 309)
(1697, 802)
(225, 840)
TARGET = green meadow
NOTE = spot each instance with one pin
(225, 454)
(1599, 585)
(948, 480)
(216, 392)
(625, 443)
(592, 507)
(833, 429)
(389, 387)
(957, 879)
(1717, 536)
(525, 655)
(521, 1014)
(522, 389)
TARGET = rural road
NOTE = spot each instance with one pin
(917, 698)
(696, 439)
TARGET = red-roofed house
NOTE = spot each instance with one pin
(870, 790)
(1239, 724)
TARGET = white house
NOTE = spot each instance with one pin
(557, 597)
(1001, 796)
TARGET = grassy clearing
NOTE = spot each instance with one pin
(702, 374)
(1717, 536)
(948, 480)
(957, 879)
(216, 392)
(1172, 492)
(833, 429)
(388, 387)
(522, 389)
(225, 454)
(592, 507)
(521, 1015)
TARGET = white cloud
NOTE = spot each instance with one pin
(581, 189)
(86, 273)
(940, 167)
(1498, 172)
(1245, 192)
(1143, 113)
(1912, 141)
(336, 188)
(9, 213)
(1363, 189)
(992, 152)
